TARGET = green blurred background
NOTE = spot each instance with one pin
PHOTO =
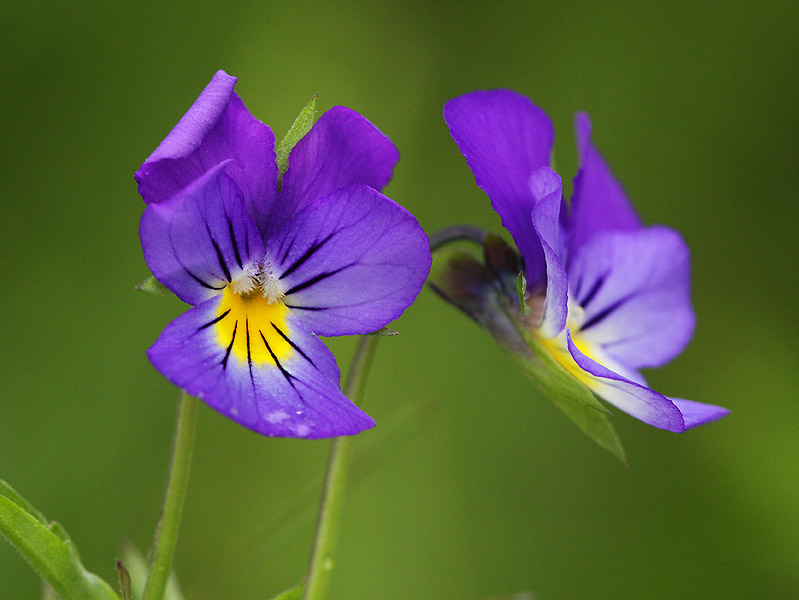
(472, 485)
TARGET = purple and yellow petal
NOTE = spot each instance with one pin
(634, 289)
(504, 138)
(217, 127)
(257, 364)
(599, 202)
(342, 148)
(201, 239)
(351, 262)
(631, 397)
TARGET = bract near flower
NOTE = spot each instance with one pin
(604, 295)
(267, 270)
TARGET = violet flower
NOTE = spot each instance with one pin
(605, 296)
(267, 268)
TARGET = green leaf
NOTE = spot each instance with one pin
(294, 593)
(48, 549)
(575, 400)
(135, 563)
(384, 332)
(302, 125)
(152, 286)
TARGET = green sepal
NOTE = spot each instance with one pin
(462, 280)
(302, 125)
(294, 593)
(521, 290)
(138, 568)
(574, 399)
(383, 332)
(152, 286)
(48, 549)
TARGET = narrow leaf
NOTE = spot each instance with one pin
(302, 125)
(152, 286)
(48, 550)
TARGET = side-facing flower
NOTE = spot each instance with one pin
(267, 267)
(604, 296)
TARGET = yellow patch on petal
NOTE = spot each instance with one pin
(252, 325)
(559, 349)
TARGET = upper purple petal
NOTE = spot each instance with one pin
(504, 138)
(545, 185)
(201, 238)
(217, 127)
(599, 202)
(633, 398)
(341, 148)
(294, 392)
(634, 287)
(351, 262)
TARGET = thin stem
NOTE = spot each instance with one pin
(167, 534)
(321, 564)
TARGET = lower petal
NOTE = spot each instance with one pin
(697, 413)
(633, 398)
(260, 367)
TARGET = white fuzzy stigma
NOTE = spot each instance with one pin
(270, 285)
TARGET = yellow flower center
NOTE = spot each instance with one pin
(253, 329)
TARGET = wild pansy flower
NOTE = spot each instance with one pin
(268, 267)
(602, 296)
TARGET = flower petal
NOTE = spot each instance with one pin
(633, 398)
(599, 202)
(634, 287)
(342, 148)
(545, 186)
(200, 239)
(351, 262)
(278, 383)
(504, 138)
(216, 128)
(697, 413)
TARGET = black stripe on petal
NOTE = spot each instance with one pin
(201, 282)
(601, 315)
(233, 241)
(292, 344)
(592, 292)
(308, 254)
(286, 374)
(311, 308)
(313, 281)
(249, 355)
(221, 260)
(230, 346)
(219, 318)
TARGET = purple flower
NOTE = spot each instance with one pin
(605, 296)
(267, 268)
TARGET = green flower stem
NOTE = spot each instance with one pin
(321, 564)
(167, 534)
